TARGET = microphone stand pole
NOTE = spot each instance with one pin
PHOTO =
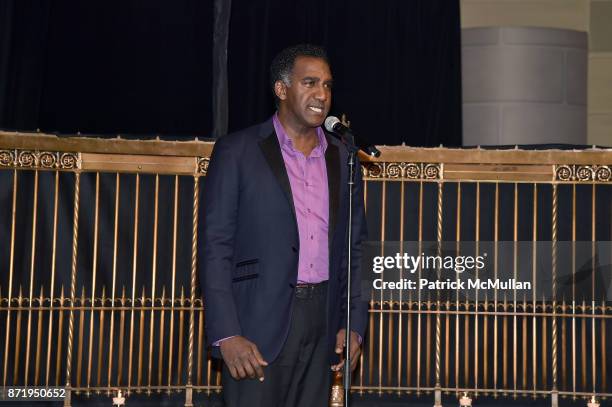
(352, 151)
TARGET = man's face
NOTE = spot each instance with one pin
(306, 101)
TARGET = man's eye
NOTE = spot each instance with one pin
(309, 83)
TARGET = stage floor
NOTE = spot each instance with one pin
(358, 401)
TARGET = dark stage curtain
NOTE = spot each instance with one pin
(140, 67)
(158, 67)
(23, 45)
(396, 63)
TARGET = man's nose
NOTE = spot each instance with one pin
(322, 93)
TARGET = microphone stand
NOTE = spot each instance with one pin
(352, 152)
(348, 139)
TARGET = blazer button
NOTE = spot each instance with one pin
(294, 249)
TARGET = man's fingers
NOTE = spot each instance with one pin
(248, 367)
(340, 341)
(240, 370)
(354, 360)
(243, 358)
(259, 373)
(254, 366)
(258, 356)
(355, 357)
(233, 372)
(257, 361)
(355, 350)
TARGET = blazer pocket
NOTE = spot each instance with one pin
(246, 270)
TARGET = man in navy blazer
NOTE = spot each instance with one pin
(275, 257)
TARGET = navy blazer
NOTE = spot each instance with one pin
(251, 245)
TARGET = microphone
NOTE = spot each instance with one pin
(334, 125)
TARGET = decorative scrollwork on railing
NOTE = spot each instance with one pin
(7, 158)
(27, 159)
(563, 173)
(203, 165)
(69, 161)
(603, 173)
(583, 173)
(402, 170)
(432, 171)
(47, 159)
(372, 170)
(51, 160)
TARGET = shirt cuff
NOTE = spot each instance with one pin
(218, 343)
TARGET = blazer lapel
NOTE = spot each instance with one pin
(332, 162)
(272, 152)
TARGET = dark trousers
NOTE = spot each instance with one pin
(300, 375)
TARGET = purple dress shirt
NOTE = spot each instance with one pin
(308, 179)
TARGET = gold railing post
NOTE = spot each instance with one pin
(555, 391)
(438, 391)
(94, 269)
(31, 291)
(534, 322)
(419, 298)
(401, 298)
(52, 288)
(133, 302)
(381, 333)
(10, 284)
(458, 303)
(194, 255)
(75, 239)
(113, 284)
(574, 366)
(153, 281)
(476, 301)
(593, 303)
(495, 293)
(515, 269)
(173, 288)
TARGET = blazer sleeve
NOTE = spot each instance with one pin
(221, 198)
(359, 306)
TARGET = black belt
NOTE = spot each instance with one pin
(309, 290)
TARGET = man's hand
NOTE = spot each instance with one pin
(355, 349)
(242, 358)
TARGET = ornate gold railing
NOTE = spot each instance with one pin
(96, 303)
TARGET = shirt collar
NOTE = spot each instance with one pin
(286, 143)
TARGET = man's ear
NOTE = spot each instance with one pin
(280, 89)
